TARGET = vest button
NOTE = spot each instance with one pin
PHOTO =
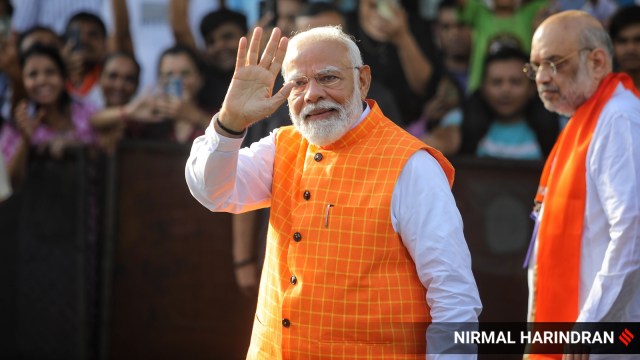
(286, 323)
(306, 195)
(297, 237)
(317, 157)
(293, 280)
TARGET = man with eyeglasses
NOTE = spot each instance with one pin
(365, 245)
(584, 266)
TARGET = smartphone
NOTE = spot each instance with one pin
(173, 87)
(32, 109)
(5, 27)
(73, 35)
(269, 6)
(386, 8)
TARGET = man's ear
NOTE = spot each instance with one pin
(365, 80)
(599, 62)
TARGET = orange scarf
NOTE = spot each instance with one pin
(560, 235)
(88, 81)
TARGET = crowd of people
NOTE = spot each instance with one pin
(464, 79)
(431, 72)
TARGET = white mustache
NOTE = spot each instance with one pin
(542, 88)
(324, 105)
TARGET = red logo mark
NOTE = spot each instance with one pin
(626, 337)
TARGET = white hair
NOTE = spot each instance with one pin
(326, 33)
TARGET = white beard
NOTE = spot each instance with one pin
(326, 131)
(575, 95)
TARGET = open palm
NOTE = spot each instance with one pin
(249, 97)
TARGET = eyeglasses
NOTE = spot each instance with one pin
(531, 70)
(330, 79)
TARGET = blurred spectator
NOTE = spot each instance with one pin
(119, 79)
(506, 21)
(221, 29)
(454, 39)
(39, 35)
(624, 29)
(179, 101)
(258, 13)
(601, 9)
(122, 114)
(53, 14)
(439, 125)
(318, 14)
(143, 27)
(287, 12)
(84, 51)
(36, 35)
(9, 68)
(400, 50)
(5, 183)
(48, 119)
(505, 118)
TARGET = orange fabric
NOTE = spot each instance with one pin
(563, 191)
(357, 294)
(88, 82)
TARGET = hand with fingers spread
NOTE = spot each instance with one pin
(250, 97)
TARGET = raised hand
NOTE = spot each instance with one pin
(397, 27)
(74, 60)
(142, 109)
(26, 123)
(249, 97)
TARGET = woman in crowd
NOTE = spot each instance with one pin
(124, 113)
(48, 119)
(180, 102)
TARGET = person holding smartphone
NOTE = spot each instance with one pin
(179, 103)
(399, 47)
(84, 51)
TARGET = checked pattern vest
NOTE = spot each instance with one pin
(337, 281)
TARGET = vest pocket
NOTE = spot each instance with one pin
(265, 344)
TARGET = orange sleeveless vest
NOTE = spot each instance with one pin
(337, 281)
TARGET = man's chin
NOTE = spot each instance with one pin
(558, 109)
(322, 136)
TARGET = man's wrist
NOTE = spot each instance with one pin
(401, 37)
(226, 130)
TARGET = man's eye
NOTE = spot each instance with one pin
(328, 79)
(300, 82)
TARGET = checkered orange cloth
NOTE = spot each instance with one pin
(338, 282)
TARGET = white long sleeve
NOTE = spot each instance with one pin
(610, 248)
(610, 257)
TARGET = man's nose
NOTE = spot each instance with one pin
(314, 91)
(543, 76)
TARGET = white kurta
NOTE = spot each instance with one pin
(609, 288)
